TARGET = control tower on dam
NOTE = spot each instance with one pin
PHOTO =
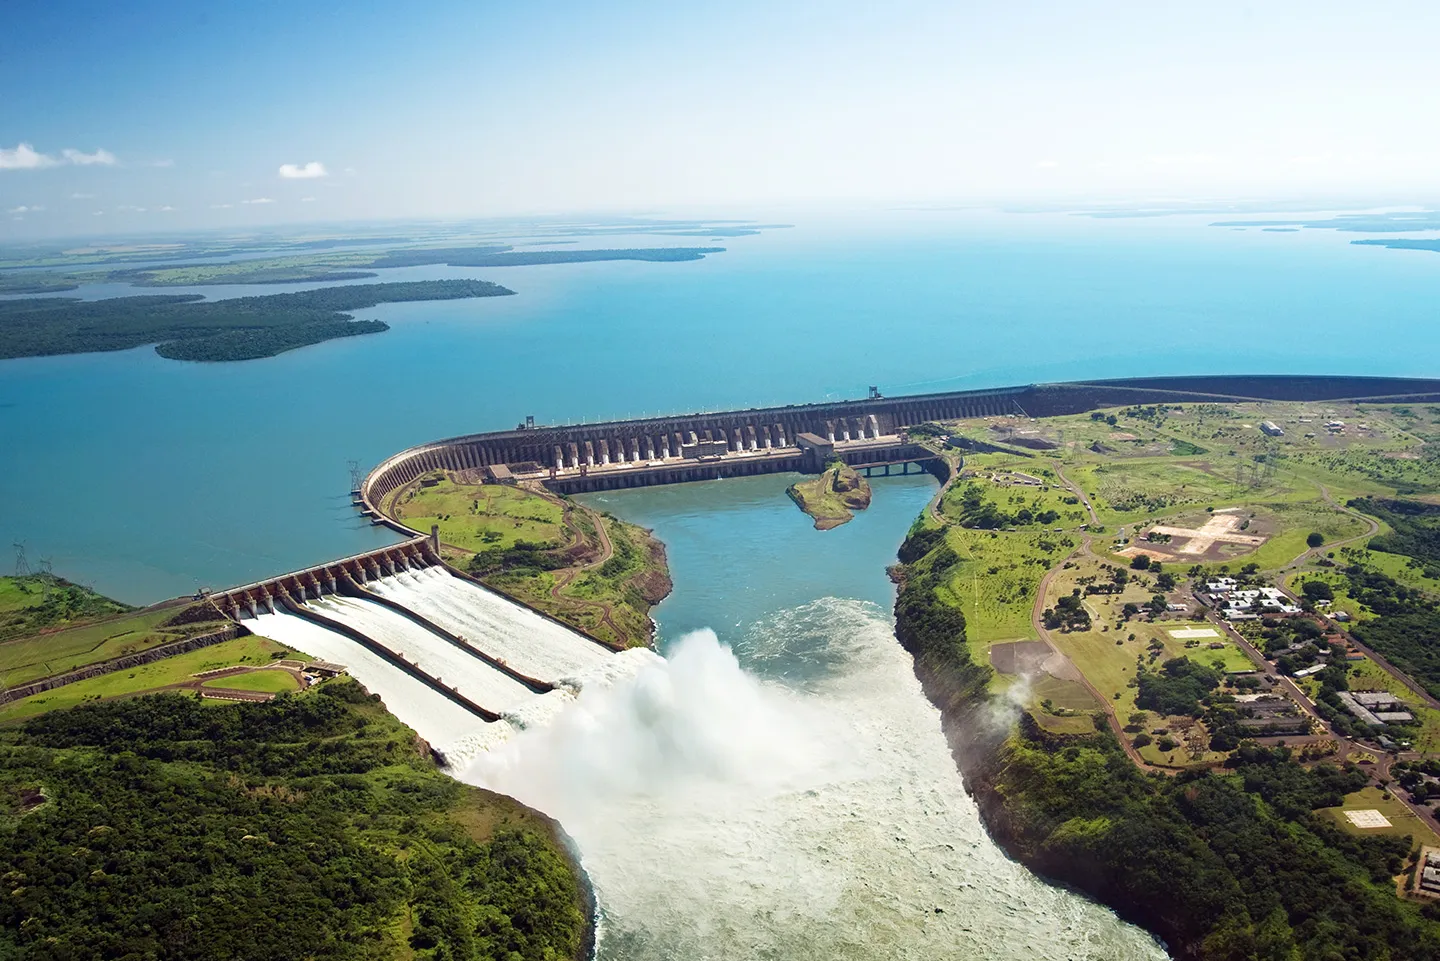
(800, 437)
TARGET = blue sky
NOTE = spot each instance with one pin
(463, 109)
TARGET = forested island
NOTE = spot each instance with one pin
(313, 267)
(187, 327)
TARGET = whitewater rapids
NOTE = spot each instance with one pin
(722, 816)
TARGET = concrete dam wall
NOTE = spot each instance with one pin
(399, 618)
(705, 446)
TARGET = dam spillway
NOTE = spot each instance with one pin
(452, 666)
(409, 699)
(445, 653)
(647, 451)
(505, 630)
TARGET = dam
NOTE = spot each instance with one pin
(410, 628)
(872, 432)
(400, 610)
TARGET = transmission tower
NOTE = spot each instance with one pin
(22, 566)
(355, 477)
(47, 577)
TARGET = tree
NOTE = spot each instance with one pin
(1318, 591)
(1142, 739)
(1315, 539)
(1140, 562)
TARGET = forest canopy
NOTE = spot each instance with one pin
(311, 827)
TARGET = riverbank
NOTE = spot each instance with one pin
(1215, 864)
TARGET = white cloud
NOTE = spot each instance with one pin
(307, 200)
(1046, 164)
(258, 200)
(80, 196)
(130, 208)
(84, 159)
(99, 213)
(24, 209)
(167, 207)
(309, 171)
(221, 206)
(24, 157)
(161, 163)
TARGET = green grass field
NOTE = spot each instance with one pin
(38, 602)
(1107, 655)
(1403, 821)
(484, 516)
(148, 677)
(30, 658)
(996, 580)
(1398, 567)
(267, 682)
(1134, 492)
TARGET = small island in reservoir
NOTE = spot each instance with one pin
(833, 497)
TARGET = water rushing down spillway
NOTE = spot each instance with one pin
(446, 662)
(531, 644)
(432, 715)
(724, 815)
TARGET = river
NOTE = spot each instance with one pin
(779, 787)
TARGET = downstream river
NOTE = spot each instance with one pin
(779, 787)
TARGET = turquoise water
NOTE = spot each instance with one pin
(149, 478)
(740, 551)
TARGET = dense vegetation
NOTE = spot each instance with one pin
(1406, 627)
(1232, 865)
(1414, 530)
(308, 828)
(193, 329)
(975, 511)
(1177, 688)
(504, 257)
(1226, 866)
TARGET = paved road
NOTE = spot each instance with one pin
(1371, 524)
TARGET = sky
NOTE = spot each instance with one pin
(152, 116)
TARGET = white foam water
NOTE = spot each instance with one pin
(531, 644)
(436, 656)
(722, 816)
(435, 717)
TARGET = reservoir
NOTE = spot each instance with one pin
(148, 478)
